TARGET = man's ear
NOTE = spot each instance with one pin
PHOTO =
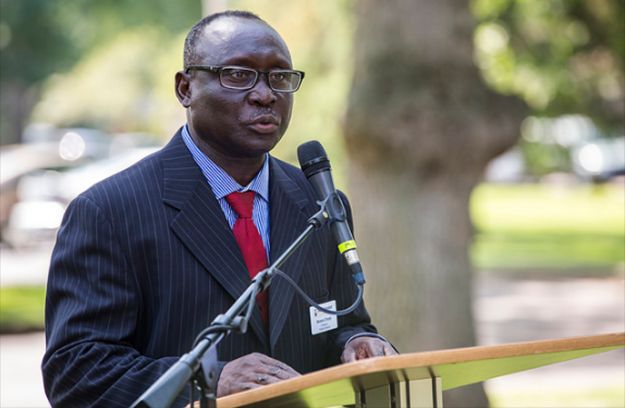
(183, 88)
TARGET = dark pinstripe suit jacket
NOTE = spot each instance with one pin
(145, 260)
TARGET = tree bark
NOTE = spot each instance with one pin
(17, 100)
(420, 128)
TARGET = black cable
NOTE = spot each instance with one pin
(315, 304)
(343, 312)
(212, 329)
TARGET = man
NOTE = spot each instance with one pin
(146, 259)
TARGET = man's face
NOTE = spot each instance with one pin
(238, 123)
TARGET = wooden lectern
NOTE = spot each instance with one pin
(417, 379)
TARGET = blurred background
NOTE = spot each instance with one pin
(483, 141)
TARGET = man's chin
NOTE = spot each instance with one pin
(261, 144)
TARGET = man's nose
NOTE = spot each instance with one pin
(262, 94)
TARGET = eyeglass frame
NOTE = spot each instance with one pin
(217, 69)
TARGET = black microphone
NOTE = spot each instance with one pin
(316, 166)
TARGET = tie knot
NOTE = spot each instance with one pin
(242, 203)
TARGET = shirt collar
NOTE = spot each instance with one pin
(221, 182)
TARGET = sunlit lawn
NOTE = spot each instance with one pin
(21, 308)
(557, 231)
(576, 228)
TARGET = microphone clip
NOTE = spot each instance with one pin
(331, 210)
(334, 207)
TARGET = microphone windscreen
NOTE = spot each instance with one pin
(312, 158)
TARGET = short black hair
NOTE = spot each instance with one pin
(190, 56)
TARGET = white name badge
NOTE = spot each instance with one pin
(321, 322)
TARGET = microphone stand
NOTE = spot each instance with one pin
(164, 391)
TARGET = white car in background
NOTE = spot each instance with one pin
(44, 195)
(600, 159)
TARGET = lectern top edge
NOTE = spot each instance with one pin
(423, 359)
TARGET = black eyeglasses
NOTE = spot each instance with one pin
(241, 78)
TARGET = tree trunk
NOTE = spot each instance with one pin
(420, 128)
(16, 103)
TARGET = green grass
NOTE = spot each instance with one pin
(21, 308)
(541, 226)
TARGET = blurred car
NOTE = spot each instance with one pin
(33, 223)
(44, 195)
(19, 161)
(600, 159)
(73, 182)
(72, 143)
(45, 147)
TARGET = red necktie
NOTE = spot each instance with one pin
(249, 241)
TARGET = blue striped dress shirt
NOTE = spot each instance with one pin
(223, 184)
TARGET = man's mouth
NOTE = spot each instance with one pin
(264, 123)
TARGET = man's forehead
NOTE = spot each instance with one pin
(222, 35)
(225, 28)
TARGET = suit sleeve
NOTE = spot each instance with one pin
(344, 290)
(92, 307)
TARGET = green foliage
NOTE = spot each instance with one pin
(126, 83)
(41, 38)
(541, 226)
(107, 17)
(541, 158)
(21, 308)
(33, 41)
(560, 56)
(123, 85)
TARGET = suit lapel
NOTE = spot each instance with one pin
(288, 221)
(202, 226)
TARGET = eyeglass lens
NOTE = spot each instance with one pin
(241, 78)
